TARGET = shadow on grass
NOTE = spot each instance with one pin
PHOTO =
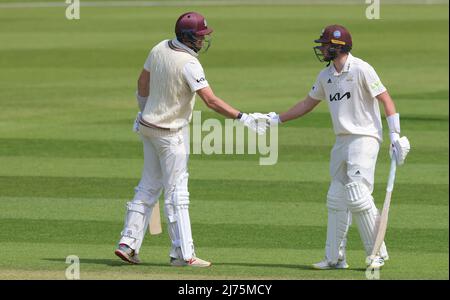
(108, 262)
(287, 266)
(120, 263)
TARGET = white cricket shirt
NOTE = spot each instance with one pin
(351, 97)
(175, 76)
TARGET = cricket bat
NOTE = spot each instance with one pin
(382, 224)
(155, 221)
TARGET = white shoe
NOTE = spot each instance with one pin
(375, 262)
(325, 265)
(193, 262)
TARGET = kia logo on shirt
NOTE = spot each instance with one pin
(338, 97)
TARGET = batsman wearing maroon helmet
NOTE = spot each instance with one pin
(352, 90)
(167, 86)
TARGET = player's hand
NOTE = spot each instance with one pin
(255, 121)
(399, 147)
(274, 118)
(136, 122)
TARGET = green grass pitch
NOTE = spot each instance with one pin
(69, 160)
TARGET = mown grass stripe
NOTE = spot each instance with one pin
(322, 119)
(82, 130)
(133, 149)
(205, 211)
(228, 189)
(436, 95)
(423, 173)
(215, 235)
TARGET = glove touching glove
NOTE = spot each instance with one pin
(255, 121)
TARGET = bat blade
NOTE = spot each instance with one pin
(382, 224)
(383, 220)
(155, 221)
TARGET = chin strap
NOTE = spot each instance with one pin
(190, 40)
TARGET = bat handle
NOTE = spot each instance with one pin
(391, 179)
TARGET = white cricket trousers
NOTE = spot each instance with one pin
(166, 155)
(353, 158)
(352, 170)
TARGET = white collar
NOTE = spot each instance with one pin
(346, 67)
(179, 44)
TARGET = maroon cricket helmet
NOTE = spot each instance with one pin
(337, 35)
(192, 23)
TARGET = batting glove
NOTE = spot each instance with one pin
(399, 145)
(141, 101)
(274, 118)
(400, 148)
(136, 122)
(255, 121)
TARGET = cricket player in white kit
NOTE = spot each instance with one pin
(352, 89)
(171, 77)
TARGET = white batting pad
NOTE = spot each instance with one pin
(383, 252)
(177, 210)
(172, 229)
(366, 222)
(359, 197)
(338, 224)
(136, 222)
(184, 224)
(365, 214)
(336, 196)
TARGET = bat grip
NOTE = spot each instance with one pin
(391, 179)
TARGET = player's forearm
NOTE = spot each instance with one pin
(143, 88)
(217, 104)
(389, 109)
(221, 107)
(143, 84)
(298, 110)
(388, 103)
